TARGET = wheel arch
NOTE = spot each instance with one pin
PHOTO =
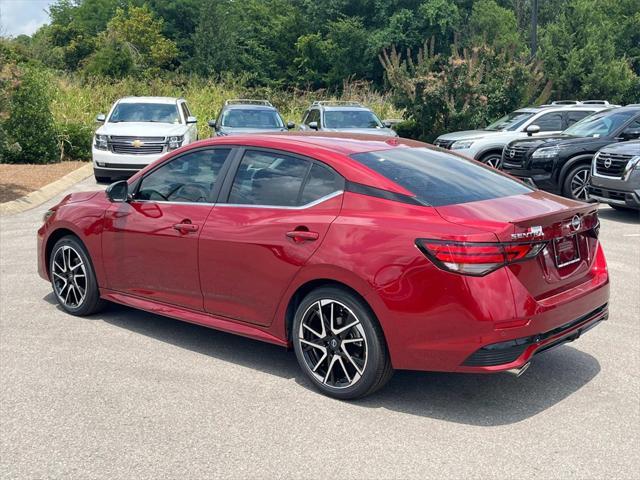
(56, 235)
(488, 151)
(571, 163)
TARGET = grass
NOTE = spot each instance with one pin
(79, 101)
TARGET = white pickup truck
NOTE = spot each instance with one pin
(137, 131)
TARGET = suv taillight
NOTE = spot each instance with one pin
(476, 259)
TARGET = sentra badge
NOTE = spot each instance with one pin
(532, 232)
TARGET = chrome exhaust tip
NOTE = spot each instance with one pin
(519, 371)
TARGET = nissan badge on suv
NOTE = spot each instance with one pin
(615, 175)
(137, 131)
(562, 163)
(486, 145)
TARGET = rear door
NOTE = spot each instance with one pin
(278, 211)
(151, 242)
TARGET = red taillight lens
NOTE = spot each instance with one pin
(476, 258)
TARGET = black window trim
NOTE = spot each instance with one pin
(217, 186)
(225, 191)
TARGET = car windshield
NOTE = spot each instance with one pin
(145, 112)
(251, 118)
(439, 178)
(510, 122)
(599, 125)
(351, 119)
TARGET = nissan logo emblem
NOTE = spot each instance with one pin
(576, 222)
(512, 153)
(607, 163)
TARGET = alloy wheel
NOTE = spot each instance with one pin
(493, 161)
(333, 343)
(580, 183)
(69, 276)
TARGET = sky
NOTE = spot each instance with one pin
(22, 16)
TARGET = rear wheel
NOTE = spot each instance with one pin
(492, 159)
(73, 278)
(576, 183)
(340, 345)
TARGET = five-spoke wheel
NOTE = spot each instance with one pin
(576, 184)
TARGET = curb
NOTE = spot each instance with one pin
(47, 192)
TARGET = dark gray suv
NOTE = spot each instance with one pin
(615, 175)
(239, 116)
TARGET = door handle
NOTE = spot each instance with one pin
(302, 235)
(185, 227)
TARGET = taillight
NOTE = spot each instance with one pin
(476, 259)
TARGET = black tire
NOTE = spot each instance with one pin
(70, 247)
(102, 179)
(365, 336)
(577, 175)
(492, 159)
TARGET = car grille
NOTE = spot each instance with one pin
(611, 164)
(444, 144)
(141, 150)
(514, 156)
(119, 138)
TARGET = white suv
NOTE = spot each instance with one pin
(137, 131)
(486, 145)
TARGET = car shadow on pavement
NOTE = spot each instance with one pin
(631, 217)
(480, 400)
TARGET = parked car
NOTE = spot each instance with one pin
(241, 115)
(562, 163)
(364, 254)
(349, 117)
(138, 131)
(615, 175)
(486, 145)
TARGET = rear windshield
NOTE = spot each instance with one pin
(438, 178)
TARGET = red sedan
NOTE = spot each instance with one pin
(364, 254)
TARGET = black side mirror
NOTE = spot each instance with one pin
(212, 123)
(531, 129)
(313, 125)
(630, 134)
(118, 192)
(387, 124)
(291, 125)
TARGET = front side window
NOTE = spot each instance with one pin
(314, 116)
(251, 118)
(351, 119)
(145, 112)
(510, 122)
(267, 178)
(551, 122)
(575, 117)
(439, 178)
(600, 125)
(188, 178)
(185, 111)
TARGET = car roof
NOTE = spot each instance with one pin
(246, 106)
(167, 100)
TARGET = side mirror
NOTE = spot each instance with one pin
(291, 125)
(532, 129)
(630, 134)
(101, 118)
(118, 192)
(313, 125)
(192, 119)
(212, 123)
(387, 123)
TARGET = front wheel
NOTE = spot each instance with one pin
(576, 183)
(73, 278)
(492, 159)
(340, 345)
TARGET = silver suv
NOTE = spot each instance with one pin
(351, 117)
(486, 144)
(615, 175)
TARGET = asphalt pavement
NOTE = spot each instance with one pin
(126, 394)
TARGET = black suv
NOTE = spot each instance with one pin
(615, 175)
(242, 115)
(562, 163)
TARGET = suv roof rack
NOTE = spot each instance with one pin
(565, 102)
(337, 103)
(596, 102)
(247, 101)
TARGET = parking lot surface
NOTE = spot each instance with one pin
(127, 394)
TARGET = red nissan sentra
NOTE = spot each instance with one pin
(364, 254)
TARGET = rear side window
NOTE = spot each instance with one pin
(320, 183)
(267, 178)
(573, 117)
(551, 122)
(438, 178)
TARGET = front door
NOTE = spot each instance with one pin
(278, 211)
(150, 244)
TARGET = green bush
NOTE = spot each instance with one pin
(75, 141)
(30, 127)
